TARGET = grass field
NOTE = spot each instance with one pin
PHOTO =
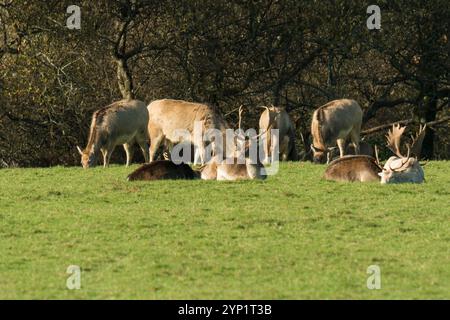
(293, 236)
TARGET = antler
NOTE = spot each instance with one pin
(242, 137)
(417, 141)
(376, 156)
(241, 109)
(393, 139)
(403, 161)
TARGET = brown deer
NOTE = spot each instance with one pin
(359, 168)
(233, 168)
(398, 169)
(163, 170)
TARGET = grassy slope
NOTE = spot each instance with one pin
(292, 236)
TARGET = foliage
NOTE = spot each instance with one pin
(296, 54)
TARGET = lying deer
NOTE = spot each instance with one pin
(398, 169)
(224, 169)
(163, 170)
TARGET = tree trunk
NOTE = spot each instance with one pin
(124, 79)
(428, 114)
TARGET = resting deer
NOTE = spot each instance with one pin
(400, 168)
(359, 168)
(163, 170)
(231, 168)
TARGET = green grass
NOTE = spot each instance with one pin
(293, 236)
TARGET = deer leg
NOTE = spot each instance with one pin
(143, 144)
(142, 140)
(341, 145)
(129, 151)
(106, 157)
(200, 151)
(154, 145)
(274, 148)
(354, 136)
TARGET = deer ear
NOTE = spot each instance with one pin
(380, 174)
(79, 150)
(313, 149)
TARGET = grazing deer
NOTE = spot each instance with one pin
(163, 170)
(365, 148)
(123, 122)
(400, 168)
(278, 118)
(167, 117)
(334, 123)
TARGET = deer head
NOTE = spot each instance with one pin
(88, 158)
(400, 168)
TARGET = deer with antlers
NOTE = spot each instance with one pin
(400, 168)
(244, 164)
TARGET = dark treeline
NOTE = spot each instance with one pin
(291, 53)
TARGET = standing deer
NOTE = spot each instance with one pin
(123, 122)
(278, 118)
(365, 148)
(332, 124)
(168, 117)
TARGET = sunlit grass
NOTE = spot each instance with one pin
(292, 236)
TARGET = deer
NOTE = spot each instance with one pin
(163, 170)
(168, 117)
(278, 118)
(397, 169)
(401, 168)
(234, 168)
(332, 124)
(122, 122)
(354, 168)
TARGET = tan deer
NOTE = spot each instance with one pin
(278, 118)
(333, 124)
(357, 168)
(123, 122)
(168, 117)
(233, 168)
